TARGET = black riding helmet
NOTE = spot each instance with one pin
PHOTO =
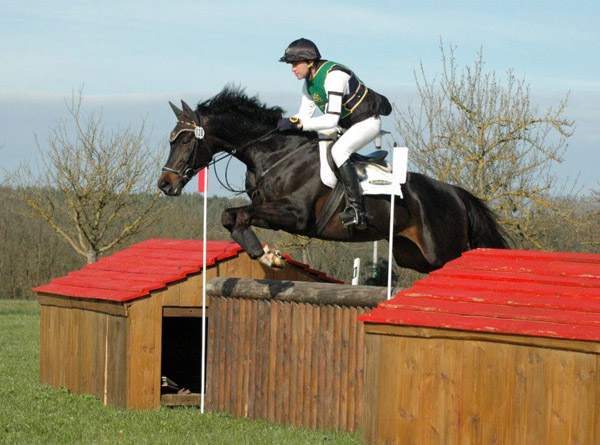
(301, 50)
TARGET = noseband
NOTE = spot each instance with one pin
(187, 172)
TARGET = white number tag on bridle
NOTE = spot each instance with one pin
(199, 132)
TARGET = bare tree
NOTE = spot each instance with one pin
(593, 220)
(484, 134)
(93, 186)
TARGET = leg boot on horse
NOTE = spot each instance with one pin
(354, 215)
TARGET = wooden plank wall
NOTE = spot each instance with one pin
(113, 350)
(427, 387)
(83, 351)
(293, 363)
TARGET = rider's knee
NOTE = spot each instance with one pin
(340, 156)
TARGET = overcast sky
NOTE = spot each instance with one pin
(133, 56)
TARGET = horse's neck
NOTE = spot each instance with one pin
(262, 154)
(280, 156)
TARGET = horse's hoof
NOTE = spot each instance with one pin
(278, 261)
(265, 260)
(272, 258)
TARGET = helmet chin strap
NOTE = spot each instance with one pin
(310, 66)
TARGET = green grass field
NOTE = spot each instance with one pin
(30, 413)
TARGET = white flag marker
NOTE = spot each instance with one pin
(399, 173)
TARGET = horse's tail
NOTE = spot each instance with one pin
(484, 230)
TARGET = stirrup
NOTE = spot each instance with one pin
(352, 217)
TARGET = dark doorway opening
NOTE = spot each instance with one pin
(181, 366)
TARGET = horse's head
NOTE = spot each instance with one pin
(225, 122)
(190, 152)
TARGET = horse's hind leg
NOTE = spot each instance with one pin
(408, 255)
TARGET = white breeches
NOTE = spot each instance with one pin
(350, 142)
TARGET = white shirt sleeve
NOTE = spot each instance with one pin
(307, 106)
(336, 82)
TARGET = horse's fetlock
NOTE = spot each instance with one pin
(254, 255)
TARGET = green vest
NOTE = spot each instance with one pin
(316, 86)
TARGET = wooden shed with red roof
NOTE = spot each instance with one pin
(498, 346)
(115, 327)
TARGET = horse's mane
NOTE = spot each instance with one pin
(234, 101)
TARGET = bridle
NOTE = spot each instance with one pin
(187, 172)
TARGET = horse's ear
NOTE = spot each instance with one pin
(189, 112)
(177, 111)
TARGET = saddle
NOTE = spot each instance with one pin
(375, 159)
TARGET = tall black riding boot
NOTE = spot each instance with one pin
(354, 215)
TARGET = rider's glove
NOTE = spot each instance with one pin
(288, 123)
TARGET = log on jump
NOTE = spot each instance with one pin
(297, 291)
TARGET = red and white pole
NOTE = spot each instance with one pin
(203, 188)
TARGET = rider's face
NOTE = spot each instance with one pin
(300, 69)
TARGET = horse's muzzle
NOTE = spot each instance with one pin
(169, 186)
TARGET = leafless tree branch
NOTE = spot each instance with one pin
(94, 186)
(482, 133)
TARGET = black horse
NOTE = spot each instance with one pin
(433, 223)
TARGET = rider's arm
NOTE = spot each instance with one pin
(336, 85)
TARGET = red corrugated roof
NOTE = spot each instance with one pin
(150, 265)
(520, 292)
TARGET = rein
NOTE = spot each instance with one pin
(253, 190)
(263, 174)
(230, 155)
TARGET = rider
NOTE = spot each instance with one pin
(345, 102)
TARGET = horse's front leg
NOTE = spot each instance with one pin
(237, 221)
(271, 216)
